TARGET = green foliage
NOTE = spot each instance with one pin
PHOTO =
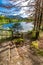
(35, 47)
(5, 34)
(29, 32)
(33, 35)
(17, 27)
(4, 20)
(18, 40)
(35, 44)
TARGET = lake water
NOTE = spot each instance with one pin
(25, 26)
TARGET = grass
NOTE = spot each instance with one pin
(5, 34)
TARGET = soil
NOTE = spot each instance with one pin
(18, 55)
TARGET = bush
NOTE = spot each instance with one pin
(35, 44)
(18, 40)
(35, 48)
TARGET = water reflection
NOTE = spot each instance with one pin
(25, 26)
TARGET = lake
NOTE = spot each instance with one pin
(25, 26)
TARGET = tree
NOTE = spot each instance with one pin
(16, 28)
(38, 16)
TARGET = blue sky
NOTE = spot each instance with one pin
(22, 11)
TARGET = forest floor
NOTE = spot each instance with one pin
(19, 55)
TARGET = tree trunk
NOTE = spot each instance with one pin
(37, 34)
(38, 17)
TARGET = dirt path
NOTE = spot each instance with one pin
(18, 55)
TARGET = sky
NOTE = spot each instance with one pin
(15, 7)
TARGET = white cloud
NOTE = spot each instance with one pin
(22, 11)
(24, 3)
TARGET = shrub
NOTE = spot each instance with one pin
(35, 48)
(35, 44)
(19, 40)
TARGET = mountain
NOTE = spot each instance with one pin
(17, 16)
